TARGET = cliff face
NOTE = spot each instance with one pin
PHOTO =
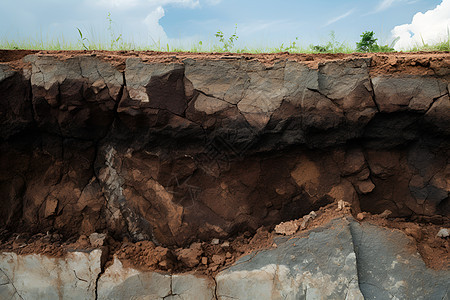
(186, 147)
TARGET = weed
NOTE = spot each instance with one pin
(293, 46)
(114, 40)
(82, 39)
(227, 44)
(332, 46)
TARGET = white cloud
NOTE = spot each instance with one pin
(343, 16)
(429, 27)
(156, 31)
(145, 12)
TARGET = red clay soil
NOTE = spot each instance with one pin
(208, 258)
(417, 63)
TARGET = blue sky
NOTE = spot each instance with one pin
(259, 23)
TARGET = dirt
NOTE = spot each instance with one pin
(418, 63)
(209, 258)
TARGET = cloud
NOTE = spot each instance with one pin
(156, 31)
(145, 12)
(343, 16)
(429, 27)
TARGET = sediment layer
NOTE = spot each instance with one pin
(176, 148)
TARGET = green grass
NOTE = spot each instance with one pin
(110, 40)
(59, 43)
(440, 46)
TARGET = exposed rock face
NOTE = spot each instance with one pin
(204, 148)
(394, 270)
(340, 260)
(119, 282)
(39, 277)
(297, 269)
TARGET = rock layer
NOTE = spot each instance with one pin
(204, 148)
(343, 259)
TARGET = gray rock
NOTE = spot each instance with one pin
(210, 105)
(138, 74)
(389, 266)
(119, 210)
(439, 114)
(5, 72)
(187, 286)
(75, 97)
(49, 70)
(411, 93)
(299, 268)
(223, 80)
(443, 233)
(15, 102)
(119, 282)
(341, 260)
(263, 95)
(39, 277)
(155, 85)
(97, 239)
(299, 78)
(347, 83)
(256, 90)
(337, 79)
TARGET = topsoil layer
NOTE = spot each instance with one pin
(418, 63)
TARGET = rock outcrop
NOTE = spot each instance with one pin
(343, 259)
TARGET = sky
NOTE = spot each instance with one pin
(262, 23)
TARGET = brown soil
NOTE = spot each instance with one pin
(382, 63)
(208, 258)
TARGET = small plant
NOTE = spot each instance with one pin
(292, 47)
(368, 43)
(227, 44)
(115, 40)
(320, 48)
(332, 46)
(83, 39)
